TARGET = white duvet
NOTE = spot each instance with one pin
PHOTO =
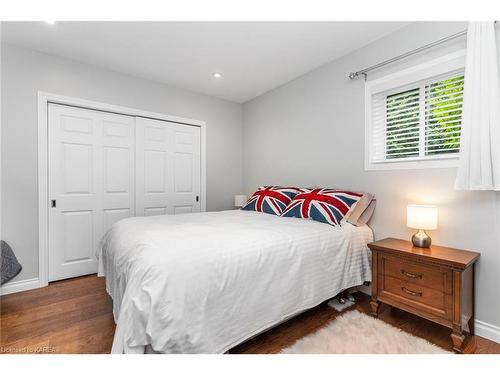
(205, 282)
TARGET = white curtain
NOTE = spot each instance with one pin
(479, 165)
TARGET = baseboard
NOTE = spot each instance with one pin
(19, 286)
(488, 331)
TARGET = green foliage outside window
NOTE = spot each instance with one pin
(443, 119)
(402, 119)
(444, 116)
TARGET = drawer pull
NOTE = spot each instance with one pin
(413, 293)
(412, 275)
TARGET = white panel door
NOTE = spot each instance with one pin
(91, 184)
(168, 163)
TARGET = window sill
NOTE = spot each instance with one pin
(451, 162)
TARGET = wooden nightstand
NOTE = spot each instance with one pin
(435, 283)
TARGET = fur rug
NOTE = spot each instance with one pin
(357, 333)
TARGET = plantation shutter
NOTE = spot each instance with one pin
(419, 121)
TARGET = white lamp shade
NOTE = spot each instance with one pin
(421, 217)
(240, 200)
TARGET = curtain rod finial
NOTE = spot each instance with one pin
(354, 75)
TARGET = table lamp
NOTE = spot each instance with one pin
(421, 217)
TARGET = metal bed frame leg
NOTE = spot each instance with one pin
(343, 296)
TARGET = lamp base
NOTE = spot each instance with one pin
(421, 239)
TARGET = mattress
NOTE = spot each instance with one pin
(205, 282)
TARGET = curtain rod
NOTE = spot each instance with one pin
(364, 72)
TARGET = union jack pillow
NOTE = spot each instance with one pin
(325, 205)
(271, 199)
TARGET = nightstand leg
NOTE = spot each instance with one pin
(458, 339)
(375, 306)
(472, 329)
(472, 320)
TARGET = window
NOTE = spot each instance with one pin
(416, 124)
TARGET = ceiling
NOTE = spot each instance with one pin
(253, 57)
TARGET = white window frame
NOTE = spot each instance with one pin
(440, 66)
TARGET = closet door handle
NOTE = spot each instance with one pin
(197, 198)
(53, 203)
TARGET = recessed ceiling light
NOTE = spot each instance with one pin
(217, 75)
(50, 22)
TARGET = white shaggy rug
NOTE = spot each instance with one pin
(357, 333)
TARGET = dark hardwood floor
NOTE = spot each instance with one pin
(74, 316)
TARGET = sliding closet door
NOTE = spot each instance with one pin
(91, 184)
(167, 168)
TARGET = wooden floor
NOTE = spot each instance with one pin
(74, 316)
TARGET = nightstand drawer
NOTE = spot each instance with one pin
(431, 300)
(424, 275)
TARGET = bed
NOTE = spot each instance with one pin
(206, 282)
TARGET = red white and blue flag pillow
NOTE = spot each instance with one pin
(325, 205)
(271, 199)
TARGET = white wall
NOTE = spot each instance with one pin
(311, 132)
(25, 72)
